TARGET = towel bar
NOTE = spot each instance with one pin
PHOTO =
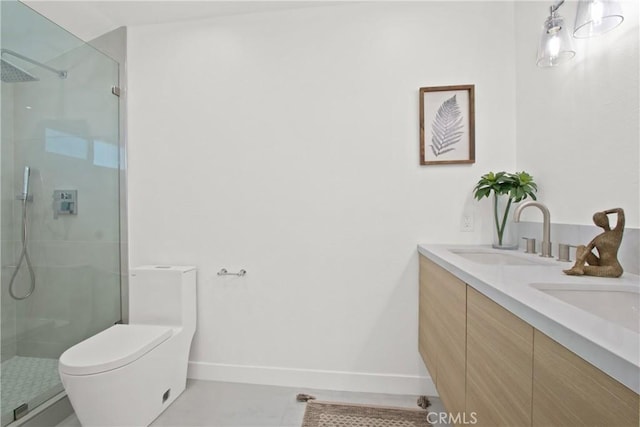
(224, 272)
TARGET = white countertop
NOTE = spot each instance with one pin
(610, 347)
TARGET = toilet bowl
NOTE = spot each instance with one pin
(128, 374)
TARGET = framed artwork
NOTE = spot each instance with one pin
(447, 125)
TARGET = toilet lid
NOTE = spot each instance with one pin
(112, 348)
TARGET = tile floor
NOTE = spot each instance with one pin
(29, 380)
(220, 404)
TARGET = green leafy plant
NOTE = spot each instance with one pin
(517, 186)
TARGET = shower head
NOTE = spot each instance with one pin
(14, 74)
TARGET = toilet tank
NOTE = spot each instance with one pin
(163, 295)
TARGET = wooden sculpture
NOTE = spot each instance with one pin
(605, 264)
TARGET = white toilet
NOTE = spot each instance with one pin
(128, 374)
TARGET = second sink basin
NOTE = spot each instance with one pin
(619, 304)
(496, 258)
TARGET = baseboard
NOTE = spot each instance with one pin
(313, 379)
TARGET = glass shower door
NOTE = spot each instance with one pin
(60, 251)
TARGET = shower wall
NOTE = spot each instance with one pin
(8, 344)
(71, 142)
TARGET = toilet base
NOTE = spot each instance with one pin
(135, 394)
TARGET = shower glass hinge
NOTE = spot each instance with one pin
(20, 411)
(115, 90)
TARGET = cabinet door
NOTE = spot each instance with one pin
(443, 332)
(499, 364)
(428, 319)
(569, 391)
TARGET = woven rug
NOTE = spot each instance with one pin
(328, 414)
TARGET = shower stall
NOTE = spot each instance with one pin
(61, 168)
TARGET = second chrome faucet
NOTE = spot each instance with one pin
(546, 225)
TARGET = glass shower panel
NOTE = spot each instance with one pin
(64, 128)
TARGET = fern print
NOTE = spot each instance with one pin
(446, 129)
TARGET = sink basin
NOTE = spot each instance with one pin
(496, 258)
(619, 304)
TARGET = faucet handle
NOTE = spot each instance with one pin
(530, 243)
(563, 252)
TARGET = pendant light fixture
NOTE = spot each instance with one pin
(555, 42)
(596, 17)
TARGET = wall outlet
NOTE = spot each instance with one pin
(467, 222)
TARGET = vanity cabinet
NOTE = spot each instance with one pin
(499, 364)
(568, 391)
(442, 332)
(486, 360)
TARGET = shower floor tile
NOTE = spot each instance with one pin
(27, 380)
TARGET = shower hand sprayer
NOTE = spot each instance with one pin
(24, 254)
(25, 185)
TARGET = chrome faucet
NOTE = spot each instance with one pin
(546, 225)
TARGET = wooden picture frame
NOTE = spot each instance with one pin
(447, 125)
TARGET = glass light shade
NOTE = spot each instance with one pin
(555, 43)
(596, 17)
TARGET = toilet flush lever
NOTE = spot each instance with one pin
(224, 272)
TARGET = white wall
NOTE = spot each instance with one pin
(286, 143)
(578, 125)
